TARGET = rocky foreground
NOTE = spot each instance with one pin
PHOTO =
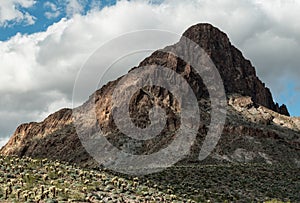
(33, 180)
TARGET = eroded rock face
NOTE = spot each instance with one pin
(238, 74)
(55, 137)
(256, 128)
(30, 131)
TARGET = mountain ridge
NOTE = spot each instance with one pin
(248, 119)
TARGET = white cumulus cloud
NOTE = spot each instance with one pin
(75, 7)
(53, 10)
(10, 12)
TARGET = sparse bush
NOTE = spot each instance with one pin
(42, 180)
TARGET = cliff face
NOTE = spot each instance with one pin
(31, 131)
(256, 128)
(55, 137)
(238, 74)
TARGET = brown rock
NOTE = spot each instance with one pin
(253, 119)
(238, 74)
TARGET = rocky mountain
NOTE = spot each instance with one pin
(238, 74)
(256, 129)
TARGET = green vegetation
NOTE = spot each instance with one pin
(31, 180)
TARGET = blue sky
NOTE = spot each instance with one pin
(42, 21)
(39, 65)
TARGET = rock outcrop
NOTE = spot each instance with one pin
(256, 130)
(55, 138)
(238, 74)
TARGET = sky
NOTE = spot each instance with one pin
(43, 45)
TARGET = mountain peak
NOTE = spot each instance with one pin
(204, 31)
(252, 115)
(237, 72)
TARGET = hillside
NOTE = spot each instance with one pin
(257, 130)
(41, 180)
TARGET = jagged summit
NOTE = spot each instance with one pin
(238, 74)
(204, 31)
(256, 130)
